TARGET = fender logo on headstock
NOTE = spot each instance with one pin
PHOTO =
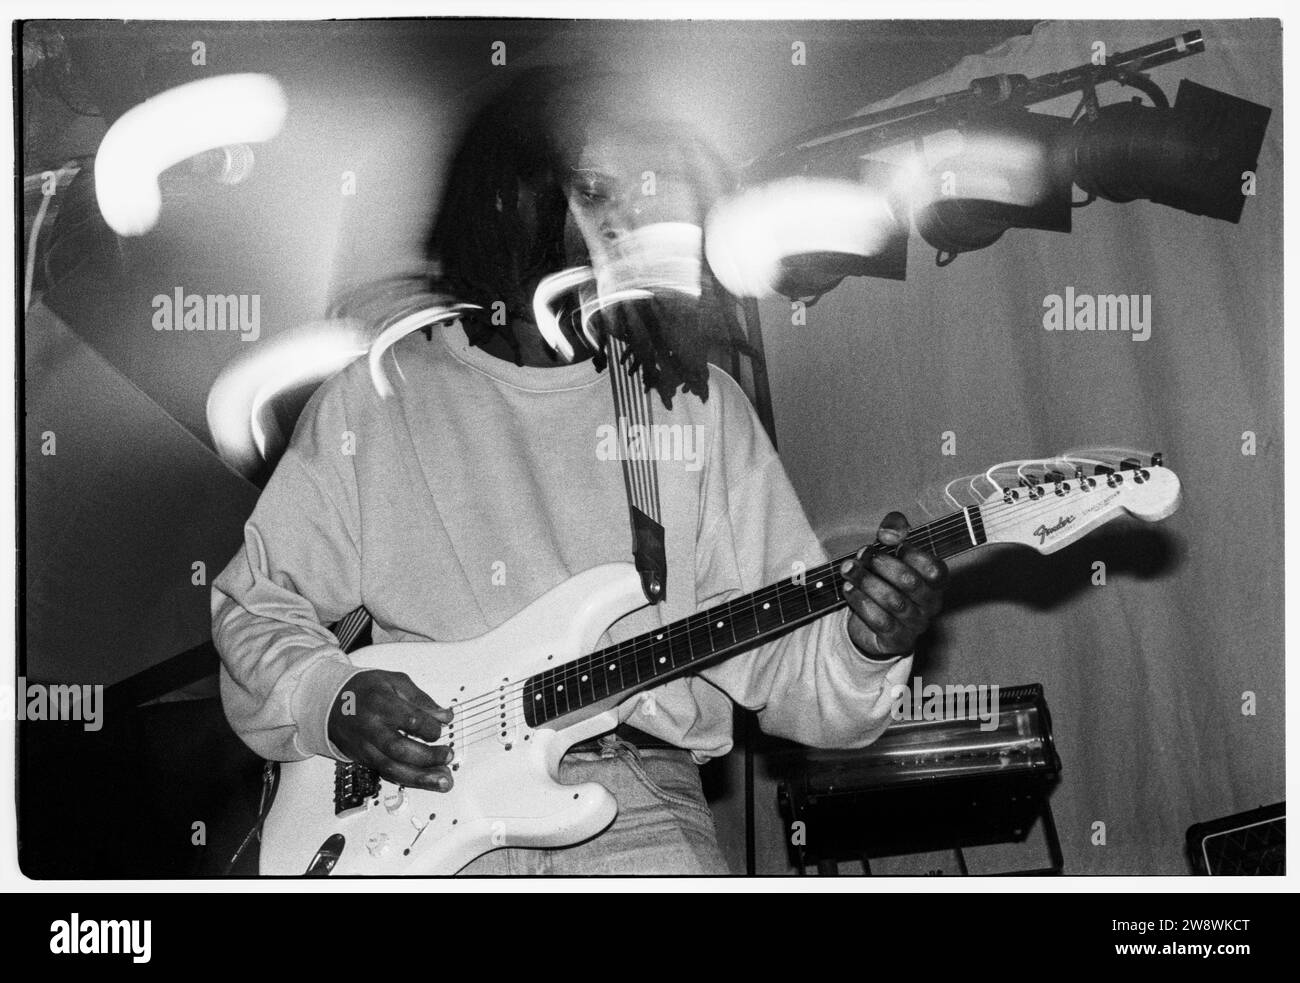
(1043, 531)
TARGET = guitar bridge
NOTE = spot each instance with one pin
(354, 785)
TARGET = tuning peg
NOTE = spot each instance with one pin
(1130, 464)
(1157, 460)
(1112, 479)
(1035, 490)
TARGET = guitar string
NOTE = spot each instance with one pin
(633, 410)
(952, 529)
(949, 529)
(515, 718)
(476, 729)
(948, 526)
(489, 705)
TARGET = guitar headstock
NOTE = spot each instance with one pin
(1050, 503)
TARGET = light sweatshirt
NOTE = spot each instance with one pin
(477, 486)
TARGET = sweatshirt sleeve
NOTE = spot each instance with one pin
(811, 685)
(298, 570)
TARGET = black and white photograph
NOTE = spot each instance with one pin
(682, 447)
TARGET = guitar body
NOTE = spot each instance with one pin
(526, 692)
(506, 792)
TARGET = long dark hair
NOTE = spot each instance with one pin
(482, 247)
(486, 250)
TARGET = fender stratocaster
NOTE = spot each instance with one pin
(526, 692)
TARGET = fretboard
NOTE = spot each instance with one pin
(722, 631)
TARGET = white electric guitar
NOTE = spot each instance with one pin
(526, 692)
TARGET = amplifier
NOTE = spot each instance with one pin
(1251, 842)
(958, 779)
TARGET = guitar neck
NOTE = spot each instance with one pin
(724, 630)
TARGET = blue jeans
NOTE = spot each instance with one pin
(663, 826)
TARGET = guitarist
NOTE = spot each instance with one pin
(477, 486)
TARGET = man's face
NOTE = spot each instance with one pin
(620, 186)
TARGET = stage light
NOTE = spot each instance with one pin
(1010, 173)
(546, 300)
(225, 111)
(1013, 168)
(243, 432)
(801, 236)
(421, 311)
(1193, 156)
(657, 260)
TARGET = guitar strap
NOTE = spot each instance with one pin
(634, 418)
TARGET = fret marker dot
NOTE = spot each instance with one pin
(662, 660)
(537, 697)
(766, 606)
(612, 665)
(584, 679)
(659, 638)
(719, 624)
(559, 688)
(819, 584)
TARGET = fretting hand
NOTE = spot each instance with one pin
(892, 599)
